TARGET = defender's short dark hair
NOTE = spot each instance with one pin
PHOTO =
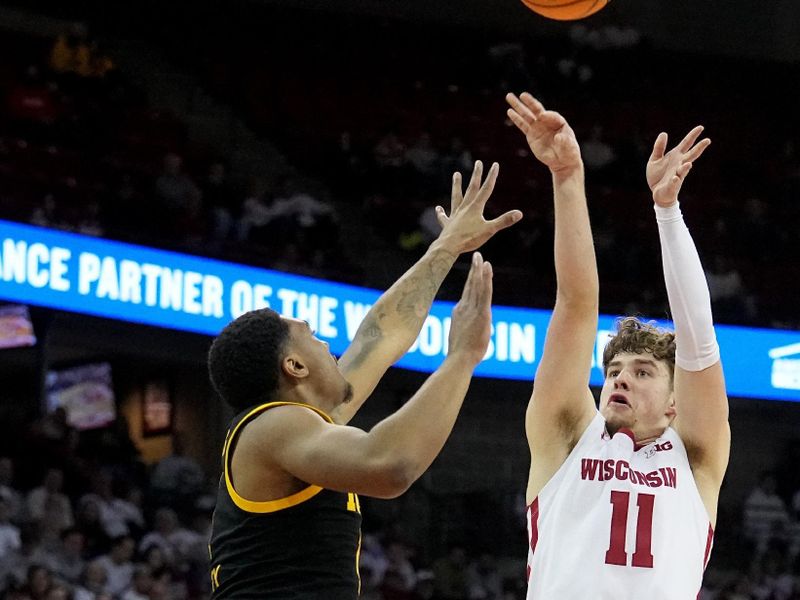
(636, 336)
(244, 360)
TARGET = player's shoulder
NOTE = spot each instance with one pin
(286, 414)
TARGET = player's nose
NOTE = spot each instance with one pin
(621, 381)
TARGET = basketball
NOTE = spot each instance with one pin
(565, 10)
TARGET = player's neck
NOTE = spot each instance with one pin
(306, 394)
(640, 438)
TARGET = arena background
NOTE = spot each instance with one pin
(293, 98)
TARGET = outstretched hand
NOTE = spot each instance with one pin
(666, 172)
(465, 229)
(471, 324)
(549, 136)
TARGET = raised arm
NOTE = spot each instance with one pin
(700, 397)
(385, 461)
(561, 405)
(394, 322)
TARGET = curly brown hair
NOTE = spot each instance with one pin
(636, 336)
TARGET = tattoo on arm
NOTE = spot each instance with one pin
(417, 293)
(370, 333)
(401, 311)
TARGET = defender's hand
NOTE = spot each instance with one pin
(471, 325)
(465, 229)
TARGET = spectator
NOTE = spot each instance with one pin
(772, 580)
(598, 154)
(154, 558)
(451, 574)
(426, 585)
(14, 566)
(423, 158)
(456, 158)
(374, 558)
(256, 210)
(58, 591)
(483, 579)
(141, 584)
(221, 202)
(178, 194)
(89, 523)
(49, 507)
(400, 579)
(118, 564)
(114, 512)
(38, 582)
(94, 583)
(731, 300)
(9, 533)
(175, 542)
(177, 479)
(8, 491)
(764, 512)
(389, 152)
(66, 560)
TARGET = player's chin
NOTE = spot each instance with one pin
(616, 416)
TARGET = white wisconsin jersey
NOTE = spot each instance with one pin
(617, 521)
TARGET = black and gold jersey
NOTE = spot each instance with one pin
(302, 547)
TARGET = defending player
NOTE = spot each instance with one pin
(287, 520)
(622, 501)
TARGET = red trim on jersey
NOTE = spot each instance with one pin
(708, 546)
(708, 552)
(629, 433)
(636, 445)
(534, 512)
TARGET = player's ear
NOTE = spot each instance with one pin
(294, 366)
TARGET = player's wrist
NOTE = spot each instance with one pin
(669, 212)
(446, 245)
(464, 358)
(567, 173)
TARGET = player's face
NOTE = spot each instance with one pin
(637, 394)
(322, 365)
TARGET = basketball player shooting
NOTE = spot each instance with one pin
(622, 501)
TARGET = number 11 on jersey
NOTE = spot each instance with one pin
(642, 556)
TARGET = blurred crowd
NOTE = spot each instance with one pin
(82, 518)
(82, 150)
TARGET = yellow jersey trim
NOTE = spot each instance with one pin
(270, 505)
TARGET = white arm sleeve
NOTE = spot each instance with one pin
(687, 290)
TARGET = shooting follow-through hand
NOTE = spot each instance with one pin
(666, 172)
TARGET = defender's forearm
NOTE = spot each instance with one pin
(399, 313)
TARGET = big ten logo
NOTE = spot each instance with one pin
(664, 447)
